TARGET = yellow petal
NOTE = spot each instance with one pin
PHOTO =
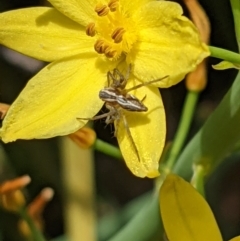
(80, 11)
(169, 44)
(43, 33)
(186, 215)
(130, 7)
(53, 100)
(236, 239)
(225, 65)
(148, 130)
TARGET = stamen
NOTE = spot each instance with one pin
(111, 54)
(118, 34)
(101, 46)
(91, 30)
(113, 4)
(108, 49)
(98, 46)
(101, 10)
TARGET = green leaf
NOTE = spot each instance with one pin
(226, 65)
(216, 138)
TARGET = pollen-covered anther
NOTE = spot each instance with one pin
(110, 53)
(117, 34)
(113, 5)
(100, 46)
(103, 48)
(107, 50)
(102, 10)
(91, 30)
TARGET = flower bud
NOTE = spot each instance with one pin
(24, 228)
(12, 198)
(197, 80)
(13, 201)
(84, 138)
(3, 110)
(35, 210)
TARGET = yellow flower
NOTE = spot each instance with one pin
(185, 213)
(84, 39)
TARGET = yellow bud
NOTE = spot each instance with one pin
(24, 229)
(85, 137)
(3, 110)
(13, 201)
(197, 80)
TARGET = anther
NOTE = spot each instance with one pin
(91, 30)
(105, 48)
(98, 46)
(111, 54)
(118, 34)
(113, 4)
(102, 10)
(101, 46)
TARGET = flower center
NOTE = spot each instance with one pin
(115, 31)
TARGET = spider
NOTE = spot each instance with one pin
(116, 94)
(117, 99)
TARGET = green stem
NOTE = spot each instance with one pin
(198, 179)
(236, 15)
(36, 234)
(143, 225)
(107, 149)
(111, 223)
(225, 54)
(183, 128)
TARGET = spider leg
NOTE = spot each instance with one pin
(116, 127)
(107, 115)
(144, 98)
(145, 84)
(120, 80)
(98, 117)
(110, 78)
